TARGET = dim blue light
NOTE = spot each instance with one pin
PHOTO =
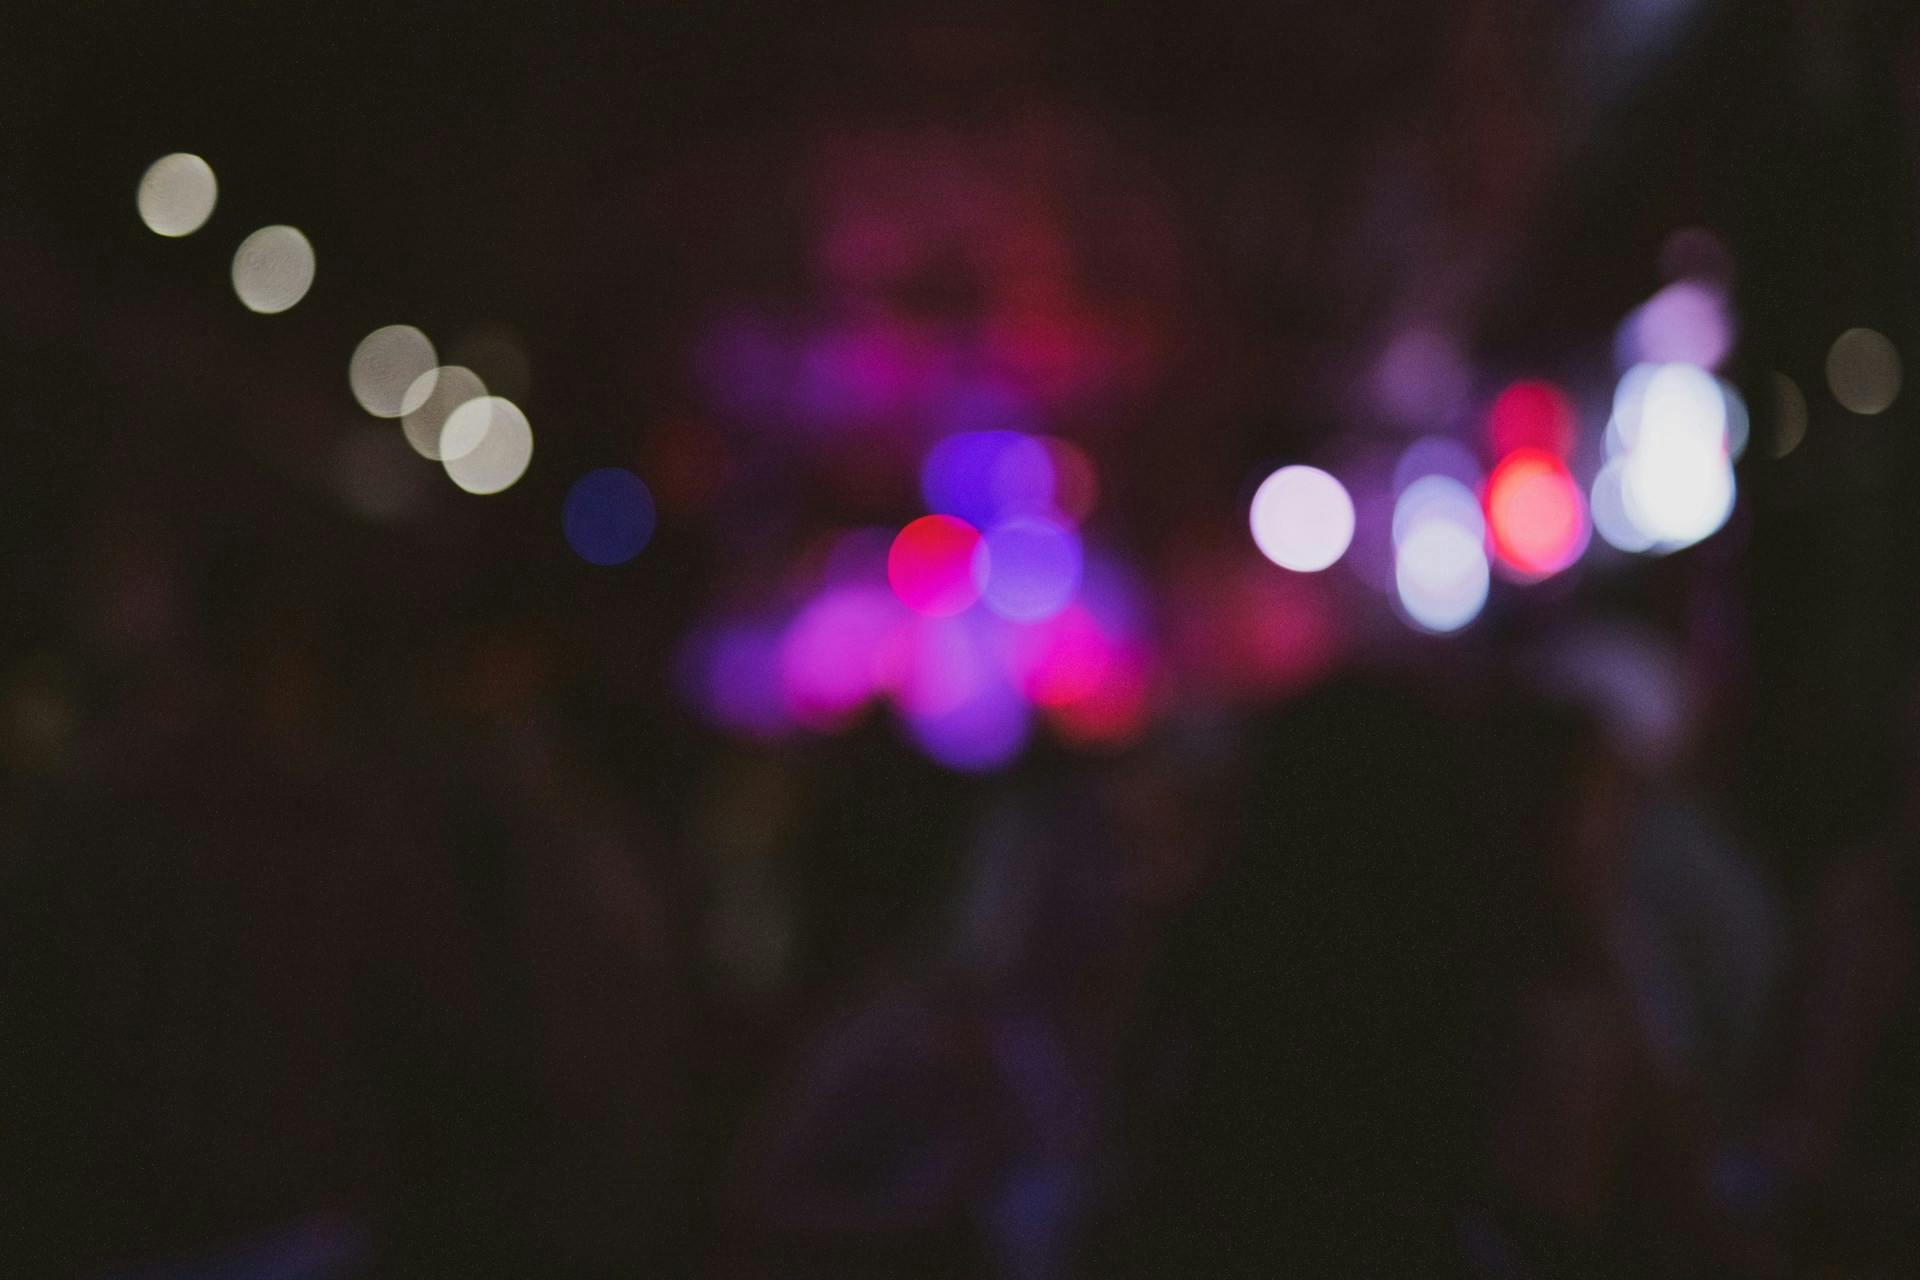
(986, 476)
(608, 516)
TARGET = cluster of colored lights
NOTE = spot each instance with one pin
(988, 614)
(984, 617)
(1665, 482)
(1663, 479)
(1671, 443)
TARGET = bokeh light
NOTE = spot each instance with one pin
(462, 433)
(1117, 710)
(1677, 490)
(608, 516)
(731, 672)
(1116, 597)
(1739, 424)
(1536, 514)
(1863, 371)
(1027, 569)
(981, 732)
(1436, 497)
(986, 476)
(1607, 503)
(1671, 399)
(1421, 379)
(1090, 668)
(177, 194)
(1062, 661)
(1688, 322)
(1534, 414)
(834, 656)
(1629, 399)
(1683, 400)
(932, 565)
(391, 370)
(1672, 435)
(273, 269)
(434, 396)
(1789, 414)
(1302, 519)
(502, 445)
(933, 664)
(1436, 456)
(1441, 574)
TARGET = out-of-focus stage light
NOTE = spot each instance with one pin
(932, 565)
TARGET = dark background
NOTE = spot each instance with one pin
(369, 875)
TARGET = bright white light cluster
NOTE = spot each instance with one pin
(446, 413)
(272, 269)
(1668, 480)
(484, 441)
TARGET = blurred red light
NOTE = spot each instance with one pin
(1535, 513)
(1112, 714)
(1531, 415)
(930, 566)
(1062, 660)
